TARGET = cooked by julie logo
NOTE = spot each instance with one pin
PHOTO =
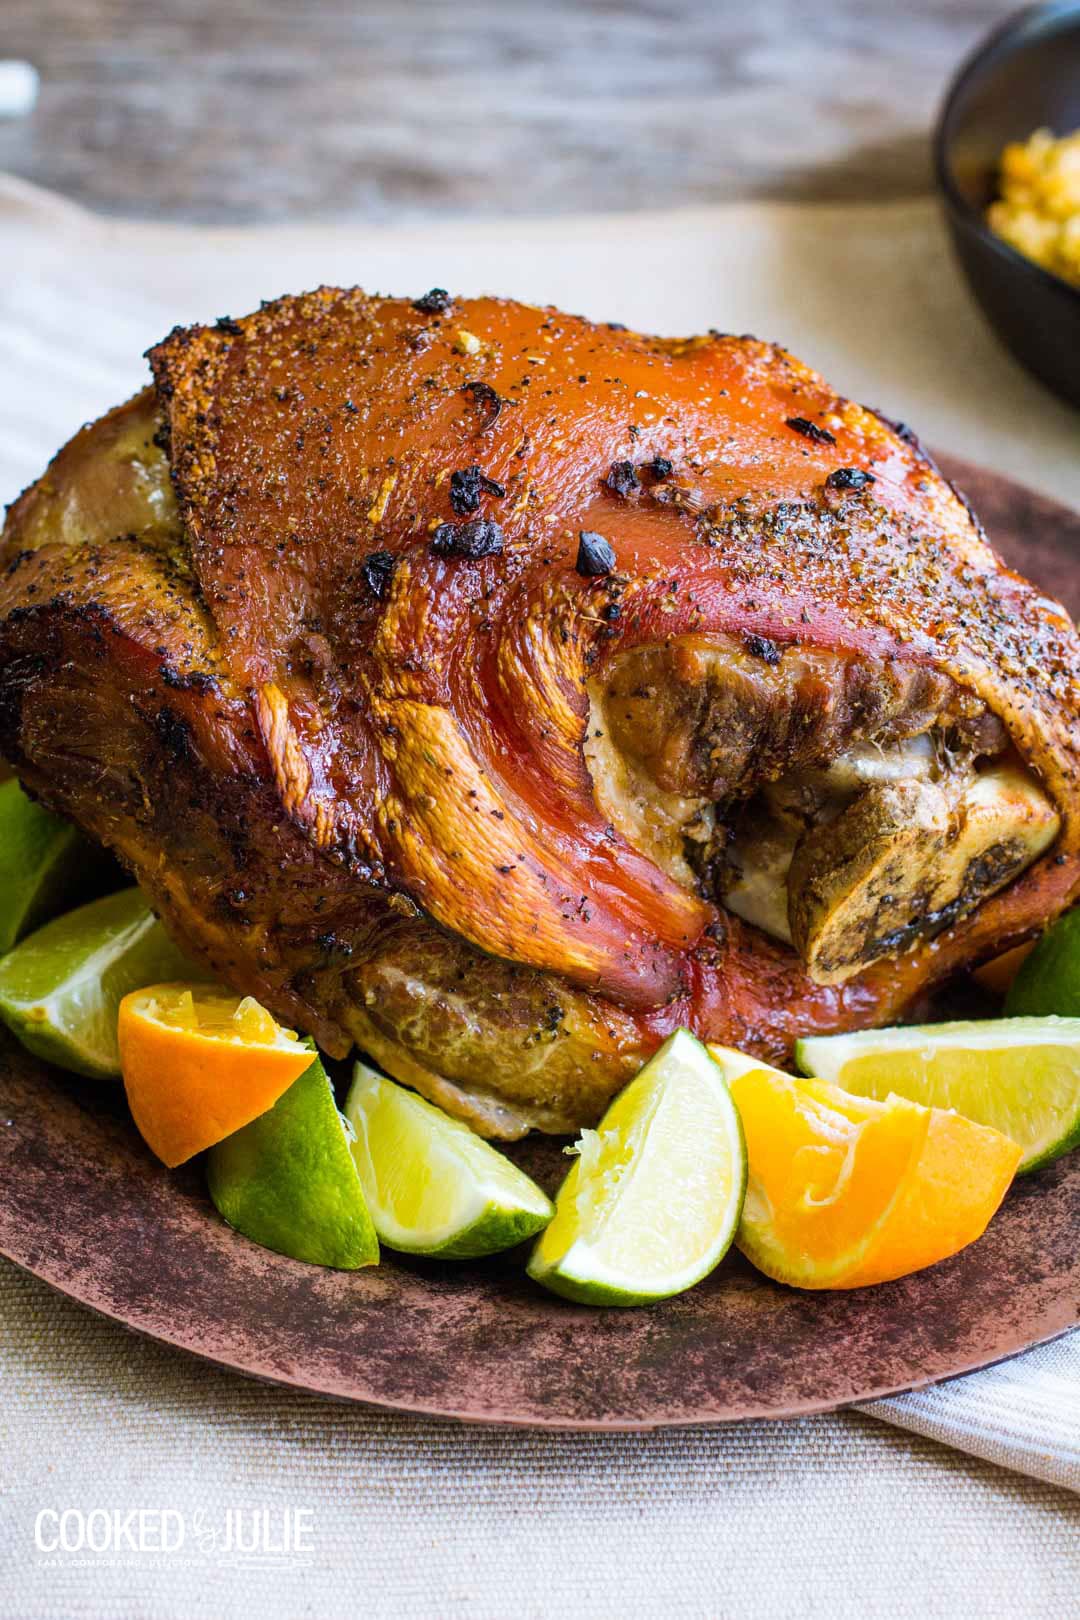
(240, 1533)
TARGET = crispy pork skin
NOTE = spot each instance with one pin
(499, 691)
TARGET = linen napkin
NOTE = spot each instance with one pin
(865, 293)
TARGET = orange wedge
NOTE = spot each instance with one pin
(844, 1191)
(199, 1063)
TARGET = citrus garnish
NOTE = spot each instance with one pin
(45, 865)
(1019, 1075)
(1048, 981)
(653, 1200)
(60, 988)
(846, 1191)
(288, 1181)
(999, 973)
(199, 1062)
(432, 1185)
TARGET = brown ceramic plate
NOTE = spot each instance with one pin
(84, 1206)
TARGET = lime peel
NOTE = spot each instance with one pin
(1049, 979)
(61, 987)
(653, 1200)
(288, 1180)
(45, 864)
(432, 1185)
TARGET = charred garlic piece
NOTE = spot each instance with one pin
(907, 858)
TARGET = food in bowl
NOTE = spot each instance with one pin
(500, 692)
(1038, 210)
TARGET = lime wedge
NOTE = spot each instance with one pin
(60, 989)
(432, 1185)
(1049, 980)
(45, 865)
(653, 1202)
(1019, 1075)
(288, 1180)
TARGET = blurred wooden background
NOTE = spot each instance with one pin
(270, 109)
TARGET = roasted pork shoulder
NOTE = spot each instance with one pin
(499, 691)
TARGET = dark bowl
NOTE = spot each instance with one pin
(1026, 75)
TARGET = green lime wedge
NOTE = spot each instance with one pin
(1019, 1075)
(432, 1185)
(654, 1199)
(288, 1180)
(1049, 980)
(45, 865)
(60, 988)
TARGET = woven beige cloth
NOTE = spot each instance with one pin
(833, 1516)
(836, 1515)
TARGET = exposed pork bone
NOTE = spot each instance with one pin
(309, 634)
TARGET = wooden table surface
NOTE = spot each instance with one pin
(271, 109)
